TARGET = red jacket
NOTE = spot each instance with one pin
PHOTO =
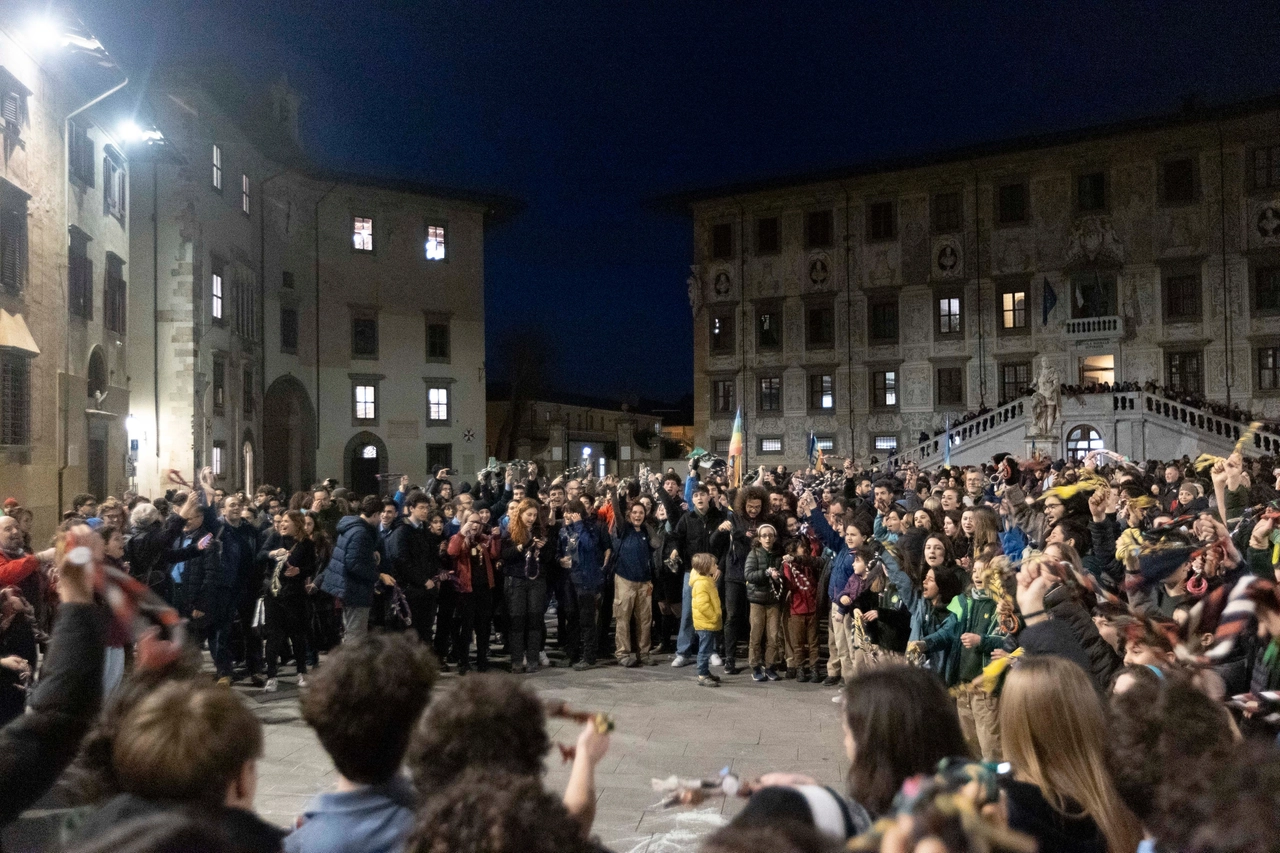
(802, 581)
(14, 570)
(490, 547)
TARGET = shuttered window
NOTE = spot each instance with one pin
(79, 276)
(13, 238)
(113, 295)
(15, 399)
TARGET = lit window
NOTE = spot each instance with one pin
(217, 168)
(1081, 441)
(216, 459)
(821, 395)
(362, 234)
(884, 389)
(949, 315)
(244, 193)
(438, 404)
(366, 405)
(435, 242)
(887, 443)
(216, 291)
(369, 451)
(1014, 313)
(825, 444)
(770, 445)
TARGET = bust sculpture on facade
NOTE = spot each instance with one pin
(1046, 401)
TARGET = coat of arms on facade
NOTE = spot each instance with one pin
(948, 258)
(1094, 239)
(819, 271)
(1267, 222)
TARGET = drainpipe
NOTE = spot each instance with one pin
(332, 187)
(155, 300)
(848, 308)
(65, 421)
(746, 326)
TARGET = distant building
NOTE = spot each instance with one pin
(64, 264)
(869, 304)
(572, 430)
(307, 324)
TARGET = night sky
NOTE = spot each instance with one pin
(589, 110)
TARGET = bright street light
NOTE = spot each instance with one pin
(45, 33)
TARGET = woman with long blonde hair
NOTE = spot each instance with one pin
(1053, 732)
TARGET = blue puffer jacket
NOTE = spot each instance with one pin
(842, 563)
(925, 618)
(633, 554)
(352, 572)
(583, 544)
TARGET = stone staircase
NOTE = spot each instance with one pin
(1133, 423)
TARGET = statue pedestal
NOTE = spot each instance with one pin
(1047, 445)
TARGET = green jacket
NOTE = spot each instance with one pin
(974, 615)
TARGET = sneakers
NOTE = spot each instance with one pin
(731, 667)
(224, 681)
(757, 674)
(713, 677)
(581, 665)
(680, 660)
(771, 674)
(837, 698)
(630, 662)
(302, 681)
(831, 681)
(272, 685)
(257, 680)
(791, 672)
(716, 660)
(543, 660)
(708, 681)
(804, 676)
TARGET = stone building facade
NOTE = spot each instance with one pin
(306, 324)
(64, 264)
(868, 305)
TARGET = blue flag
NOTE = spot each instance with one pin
(1050, 300)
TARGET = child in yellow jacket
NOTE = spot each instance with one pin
(706, 613)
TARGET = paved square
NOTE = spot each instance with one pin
(666, 724)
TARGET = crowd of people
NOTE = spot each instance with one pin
(1078, 655)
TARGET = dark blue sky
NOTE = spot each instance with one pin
(587, 110)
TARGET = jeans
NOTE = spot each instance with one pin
(706, 645)
(735, 618)
(583, 631)
(685, 641)
(526, 604)
(631, 598)
(355, 623)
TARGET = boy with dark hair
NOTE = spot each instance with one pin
(363, 706)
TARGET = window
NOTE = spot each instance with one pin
(1081, 441)
(288, 329)
(722, 445)
(819, 229)
(115, 183)
(948, 212)
(215, 290)
(435, 244)
(79, 275)
(439, 456)
(286, 280)
(771, 394)
(722, 241)
(366, 401)
(950, 386)
(769, 329)
(1182, 297)
(949, 321)
(722, 394)
(364, 336)
(438, 404)
(884, 389)
(1266, 289)
(1183, 372)
(820, 326)
(882, 320)
(13, 236)
(244, 194)
(882, 221)
(1015, 378)
(217, 168)
(1013, 310)
(1011, 204)
(362, 233)
(437, 340)
(768, 236)
(1093, 294)
(1266, 167)
(13, 107)
(1178, 181)
(825, 443)
(1268, 362)
(772, 444)
(217, 459)
(15, 399)
(886, 444)
(246, 390)
(246, 305)
(80, 153)
(821, 392)
(1091, 192)
(722, 334)
(219, 385)
(114, 306)
(369, 451)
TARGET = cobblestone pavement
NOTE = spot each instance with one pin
(666, 724)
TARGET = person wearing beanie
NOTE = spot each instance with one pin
(763, 573)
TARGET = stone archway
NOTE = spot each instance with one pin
(364, 458)
(288, 436)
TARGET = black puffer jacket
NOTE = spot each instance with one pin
(1061, 604)
(761, 589)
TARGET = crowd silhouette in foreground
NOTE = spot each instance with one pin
(1030, 654)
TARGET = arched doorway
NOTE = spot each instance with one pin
(364, 459)
(288, 436)
(246, 460)
(97, 384)
(1082, 439)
